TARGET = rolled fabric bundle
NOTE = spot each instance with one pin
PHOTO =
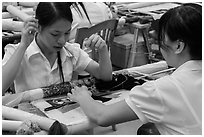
(15, 99)
(38, 93)
(5, 4)
(19, 115)
(56, 89)
(16, 12)
(27, 123)
(28, 11)
(45, 92)
(28, 4)
(6, 15)
(149, 68)
(119, 3)
(10, 125)
(142, 4)
(9, 24)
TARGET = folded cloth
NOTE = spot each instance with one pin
(13, 100)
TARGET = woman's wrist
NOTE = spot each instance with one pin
(84, 100)
(23, 46)
(103, 50)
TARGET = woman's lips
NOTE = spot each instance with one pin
(58, 47)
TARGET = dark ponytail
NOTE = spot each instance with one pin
(59, 62)
(84, 9)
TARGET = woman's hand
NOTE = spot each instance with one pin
(95, 41)
(28, 31)
(79, 93)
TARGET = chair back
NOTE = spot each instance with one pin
(105, 29)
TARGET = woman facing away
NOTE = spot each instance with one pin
(44, 57)
(174, 102)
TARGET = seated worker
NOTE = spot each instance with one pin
(174, 102)
(44, 57)
(87, 14)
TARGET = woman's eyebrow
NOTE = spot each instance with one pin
(61, 31)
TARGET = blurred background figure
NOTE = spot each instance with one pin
(86, 14)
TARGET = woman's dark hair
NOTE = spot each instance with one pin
(183, 23)
(49, 12)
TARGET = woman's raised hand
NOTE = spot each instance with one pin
(95, 41)
(28, 31)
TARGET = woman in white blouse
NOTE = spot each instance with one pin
(173, 103)
(44, 57)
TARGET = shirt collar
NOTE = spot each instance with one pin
(33, 49)
(194, 65)
(65, 53)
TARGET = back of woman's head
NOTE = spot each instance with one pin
(48, 12)
(184, 23)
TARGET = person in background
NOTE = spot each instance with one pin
(87, 14)
(44, 57)
(174, 102)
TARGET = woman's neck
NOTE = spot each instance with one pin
(183, 59)
(43, 47)
(50, 55)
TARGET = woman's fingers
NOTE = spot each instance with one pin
(94, 41)
(98, 43)
(71, 97)
(78, 92)
(31, 21)
(30, 30)
(33, 24)
(31, 27)
(87, 42)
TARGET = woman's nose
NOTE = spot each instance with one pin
(61, 40)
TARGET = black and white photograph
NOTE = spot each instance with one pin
(101, 68)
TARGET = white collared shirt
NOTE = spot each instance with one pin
(173, 103)
(35, 70)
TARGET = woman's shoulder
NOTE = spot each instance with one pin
(11, 46)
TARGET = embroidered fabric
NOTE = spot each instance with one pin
(28, 128)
